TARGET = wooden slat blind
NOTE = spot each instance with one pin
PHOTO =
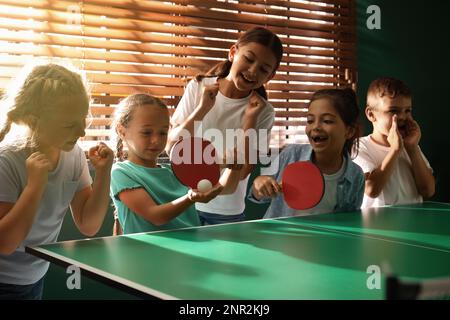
(128, 46)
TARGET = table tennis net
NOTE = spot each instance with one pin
(433, 289)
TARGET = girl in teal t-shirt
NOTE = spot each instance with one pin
(147, 196)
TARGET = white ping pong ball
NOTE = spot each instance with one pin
(204, 185)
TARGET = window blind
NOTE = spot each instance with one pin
(129, 46)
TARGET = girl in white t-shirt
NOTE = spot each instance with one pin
(227, 101)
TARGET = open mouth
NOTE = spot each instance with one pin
(402, 129)
(247, 79)
(319, 139)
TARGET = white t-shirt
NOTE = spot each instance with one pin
(226, 114)
(70, 176)
(401, 186)
(329, 200)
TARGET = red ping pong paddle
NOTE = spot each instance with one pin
(303, 185)
(194, 160)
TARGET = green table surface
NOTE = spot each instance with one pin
(426, 224)
(314, 257)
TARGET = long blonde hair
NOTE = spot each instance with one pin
(38, 92)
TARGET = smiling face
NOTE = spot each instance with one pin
(381, 116)
(62, 125)
(146, 134)
(252, 66)
(326, 131)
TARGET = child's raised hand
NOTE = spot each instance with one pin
(204, 197)
(394, 137)
(255, 105)
(209, 96)
(38, 166)
(265, 186)
(412, 134)
(101, 156)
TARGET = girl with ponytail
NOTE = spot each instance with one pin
(231, 96)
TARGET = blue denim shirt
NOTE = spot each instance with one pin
(350, 186)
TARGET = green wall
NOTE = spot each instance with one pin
(413, 45)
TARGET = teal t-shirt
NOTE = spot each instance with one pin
(161, 185)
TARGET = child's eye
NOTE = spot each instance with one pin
(248, 59)
(163, 133)
(264, 70)
(328, 121)
(309, 121)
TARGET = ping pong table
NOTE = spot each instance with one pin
(329, 256)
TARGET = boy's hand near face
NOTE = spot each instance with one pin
(412, 134)
(394, 137)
